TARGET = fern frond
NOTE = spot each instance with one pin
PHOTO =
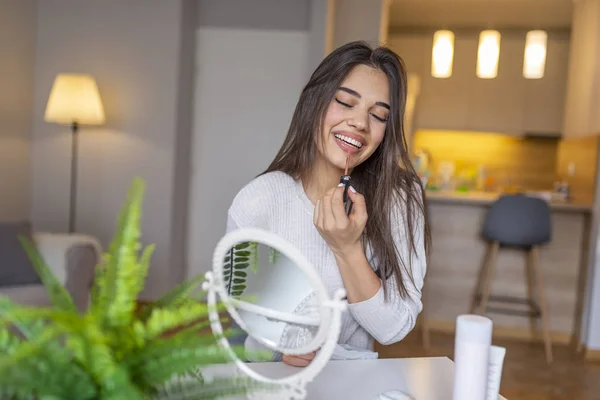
(274, 255)
(180, 360)
(48, 375)
(254, 256)
(57, 293)
(176, 297)
(243, 256)
(163, 320)
(124, 276)
(189, 388)
(228, 270)
(9, 342)
(28, 349)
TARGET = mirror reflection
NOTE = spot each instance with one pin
(274, 301)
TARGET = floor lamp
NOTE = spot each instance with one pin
(74, 101)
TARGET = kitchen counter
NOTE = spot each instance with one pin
(487, 198)
(456, 220)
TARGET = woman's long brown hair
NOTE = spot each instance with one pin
(384, 178)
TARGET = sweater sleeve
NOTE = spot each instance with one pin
(390, 320)
(250, 207)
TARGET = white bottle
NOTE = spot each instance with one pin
(471, 357)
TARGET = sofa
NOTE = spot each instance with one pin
(71, 257)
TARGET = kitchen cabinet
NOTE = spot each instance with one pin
(507, 104)
(544, 103)
(583, 97)
(496, 105)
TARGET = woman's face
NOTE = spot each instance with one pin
(356, 118)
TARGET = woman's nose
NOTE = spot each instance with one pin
(359, 120)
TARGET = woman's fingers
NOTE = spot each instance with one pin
(359, 213)
(301, 360)
(337, 207)
(328, 219)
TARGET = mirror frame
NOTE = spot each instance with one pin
(330, 310)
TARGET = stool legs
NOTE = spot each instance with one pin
(537, 274)
(534, 279)
(484, 284)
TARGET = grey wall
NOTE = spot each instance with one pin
(320, 31)
(249, 75)
(141, 53)
(254, 14)
(17, 50)
(358, 20)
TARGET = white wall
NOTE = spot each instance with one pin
(17, 50)
(248, 82)
(591, 308)
(137, 53)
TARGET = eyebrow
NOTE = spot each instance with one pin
(355, 93)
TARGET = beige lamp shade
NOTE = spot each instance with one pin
(74, 98)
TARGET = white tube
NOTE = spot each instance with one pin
(495, 372)
(471, 357)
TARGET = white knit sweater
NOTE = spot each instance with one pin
(277, 203)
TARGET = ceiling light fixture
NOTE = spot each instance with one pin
(488, 54)
(442, 54)
(534, 63)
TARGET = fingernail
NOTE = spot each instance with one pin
(340, 185)
(353, 190)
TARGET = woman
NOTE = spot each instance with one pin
(352, 107)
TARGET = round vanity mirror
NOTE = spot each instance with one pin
(273, 300)
(276, 298)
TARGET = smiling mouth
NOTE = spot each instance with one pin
(350, 141)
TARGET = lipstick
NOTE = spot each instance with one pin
(345, 180)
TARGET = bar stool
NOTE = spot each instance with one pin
(522, 222)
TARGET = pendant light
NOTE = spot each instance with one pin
(442, 54)
(534, 63)
(488, 54)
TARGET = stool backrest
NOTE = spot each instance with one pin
(518, 220)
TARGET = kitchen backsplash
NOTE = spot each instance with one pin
(580, 156)
(527, 163)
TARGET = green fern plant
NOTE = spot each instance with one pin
(112, 350)
(238, 260)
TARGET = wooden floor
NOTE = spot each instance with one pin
(525, 375)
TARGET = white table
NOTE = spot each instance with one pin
(423, 378)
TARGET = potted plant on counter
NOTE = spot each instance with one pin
(113, 350)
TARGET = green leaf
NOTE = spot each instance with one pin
(176, 296)
(58, 295)
(124, 276)
(273, 255)
(218, 388)
(255, 256)
(240, 273)
(241, 266)
(180, 360)
(163, 320)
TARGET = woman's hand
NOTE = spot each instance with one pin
(341, 232)
(300, 360)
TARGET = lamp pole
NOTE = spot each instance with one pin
(73, 201)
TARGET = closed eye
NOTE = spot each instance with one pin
(342, 103)
(379, 118)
